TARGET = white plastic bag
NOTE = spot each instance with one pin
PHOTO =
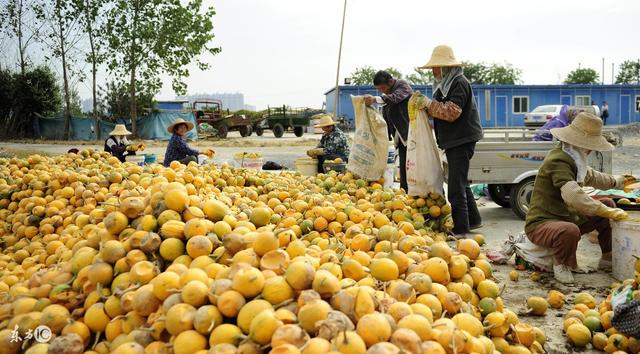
(424, 167)
(368, 156)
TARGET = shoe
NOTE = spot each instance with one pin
(605, 265)
(475, 227)
(562, 273)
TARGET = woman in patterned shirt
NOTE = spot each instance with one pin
(178, 150)
(333, 143)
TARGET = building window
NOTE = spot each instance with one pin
(583, 100)
(520, 104)
(637, 103)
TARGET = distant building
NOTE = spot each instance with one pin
(231, 101)
(87, 105)
(506, 105)
(172, 105)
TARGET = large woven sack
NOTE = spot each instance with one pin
(368, 157)
(424, 167)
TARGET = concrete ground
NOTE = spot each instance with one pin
(497, 221)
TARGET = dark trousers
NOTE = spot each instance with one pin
(402, 156)
(321, 160)
(563, 237)
(464, 210)
(188, 159)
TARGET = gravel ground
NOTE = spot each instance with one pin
(498, 222)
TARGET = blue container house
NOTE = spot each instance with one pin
(505, 105)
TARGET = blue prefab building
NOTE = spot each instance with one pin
(505, 105)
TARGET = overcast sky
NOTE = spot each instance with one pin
(285, 51)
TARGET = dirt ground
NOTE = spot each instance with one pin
(497, 221)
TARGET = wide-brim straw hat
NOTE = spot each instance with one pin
(325, 121)
(179, 121)
(120, 129)
(442, 56)
(585, 131)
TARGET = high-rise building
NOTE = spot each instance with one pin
(231, 101)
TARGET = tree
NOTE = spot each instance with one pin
(629, 72)
(476, 73)
(149, 37)
(24, 95)
(395, 73)
(420, 77)
(503, 74)
(115, 99)
(19, 21)
(363, 76)
(582, 76)
(492, 74)
(91, 14)
(61, 36)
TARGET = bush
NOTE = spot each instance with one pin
(24, 96)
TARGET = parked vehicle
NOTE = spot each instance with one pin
(541, 114)
(281, 119)
(507, 160)
(211, 113)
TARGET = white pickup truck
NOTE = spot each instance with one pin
(507, 160)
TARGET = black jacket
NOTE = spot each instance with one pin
(396, 110)
(465, 129)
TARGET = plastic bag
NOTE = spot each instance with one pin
(368, 156)
(424, 167)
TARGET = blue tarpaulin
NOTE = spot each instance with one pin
(151, 127)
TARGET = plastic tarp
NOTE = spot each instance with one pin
(151, 127)
(154, 126)
(79, 128)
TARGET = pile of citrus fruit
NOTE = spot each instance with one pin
(120, 258)
(588, 324)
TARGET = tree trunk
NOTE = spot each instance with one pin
(65, 79)
(132, 98)
(94, 68)
(132, 68)
(21, 49)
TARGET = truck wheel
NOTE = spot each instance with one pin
(244, 131)
(298, 131)
(278, 130)
(521, 196)
(250, 130)
(499, 193)
(259, 131)
(223, 130)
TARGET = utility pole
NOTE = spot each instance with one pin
(612, 79)
(337, 93)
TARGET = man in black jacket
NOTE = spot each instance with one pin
(395, 98)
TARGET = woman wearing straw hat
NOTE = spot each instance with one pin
(177, 149)
(560, 211)
(117, 143)
(457, 127)
(333, 143)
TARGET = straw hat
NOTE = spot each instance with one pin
(179, 121)
(120, 129)
(325, 121)
(585, 131)
(442, 56)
